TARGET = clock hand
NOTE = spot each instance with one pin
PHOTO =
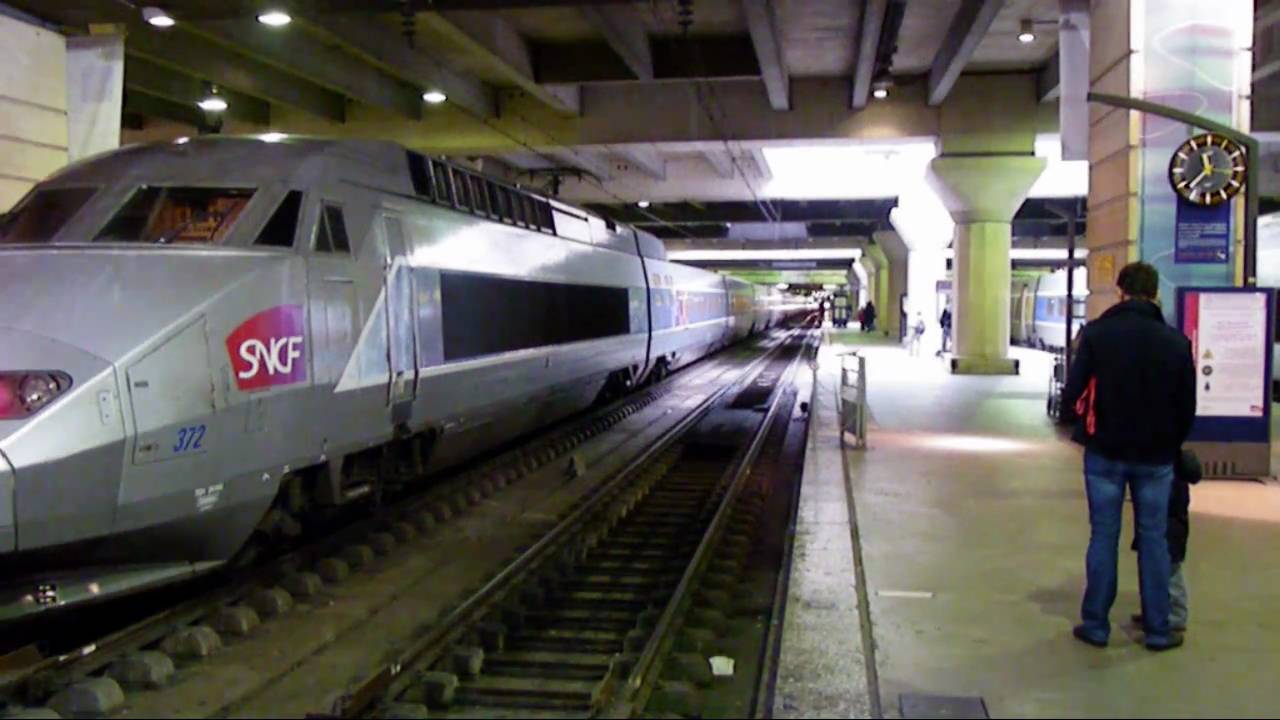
(1199, 178)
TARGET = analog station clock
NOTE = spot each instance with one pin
(1208, 169)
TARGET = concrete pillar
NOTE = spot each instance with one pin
(983, 193)
(889, 307)
(858, 283)
(33, 106)
(1132, 210)
(926, 228)
(884, 275)
(95, 93)
(872, 271)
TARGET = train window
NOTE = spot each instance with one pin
(545, 221)
(420, 174)
(279, 230)
(444, 188)
(461, 190)
(479, 198)
(498, 201)
(530, 214)
(517, 208)
(166, 215)
(42, 213)
(331, 234)
(520, 314)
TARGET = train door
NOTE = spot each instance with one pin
(331, 292)
(401, 339)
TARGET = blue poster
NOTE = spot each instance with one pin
(1202, 234)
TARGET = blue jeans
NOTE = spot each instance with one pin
(1149, 485)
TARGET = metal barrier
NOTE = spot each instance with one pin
(853, 397)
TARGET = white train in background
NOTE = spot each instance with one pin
(1038, 308)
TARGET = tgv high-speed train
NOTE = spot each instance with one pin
(1038, 308)
(199, 332)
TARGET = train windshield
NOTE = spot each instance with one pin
(41, 214)
(164, 215)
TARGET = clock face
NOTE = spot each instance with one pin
(1208, 169)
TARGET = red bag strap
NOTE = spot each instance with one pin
(1085, 406)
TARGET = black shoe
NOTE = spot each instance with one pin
(1175, 640)
(1087, 639)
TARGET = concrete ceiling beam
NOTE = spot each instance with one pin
(498, 44)
(200, 56)
(302, 54)
(678, 58)
(625, 33)
(761, 164)
(377, 44)
(645, 158)
(767, 40)
(1048, 80)
(721, 161)
(158, 81)
(587, 161)
(873, 15)
(972, 20)
(154, 106)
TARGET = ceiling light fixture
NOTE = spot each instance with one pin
(643, 204)
(434, 97)
(275, 18)
(1027, 33)
(213, 102)
(880, 93)
(158, 18)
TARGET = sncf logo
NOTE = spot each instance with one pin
(268, 349)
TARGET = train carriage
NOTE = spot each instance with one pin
(199, 331)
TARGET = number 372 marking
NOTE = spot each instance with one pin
(189, 438)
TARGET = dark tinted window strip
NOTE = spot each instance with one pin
(446, 185)
(484, 315)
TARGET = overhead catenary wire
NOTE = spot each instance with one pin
(684, 18)
(528, 124)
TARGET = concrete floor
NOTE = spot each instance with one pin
(972, 517)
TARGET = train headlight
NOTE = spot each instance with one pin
(24, 393)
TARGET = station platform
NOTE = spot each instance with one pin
(967, 516)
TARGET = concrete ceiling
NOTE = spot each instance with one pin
(617, 90)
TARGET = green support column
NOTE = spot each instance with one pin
(888, 306)
(982, 194)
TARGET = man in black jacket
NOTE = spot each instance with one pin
(1133, 386)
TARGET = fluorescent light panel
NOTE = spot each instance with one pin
(786, 254)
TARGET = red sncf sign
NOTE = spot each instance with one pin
(269, 349)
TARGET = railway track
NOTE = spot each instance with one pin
(234, 609)
(613, 608)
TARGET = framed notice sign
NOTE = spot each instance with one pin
(1231, 333)
(1202, 233)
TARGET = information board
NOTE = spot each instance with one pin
(1231, 334)
(1202, 234)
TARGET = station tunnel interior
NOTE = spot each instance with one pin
(620, 192)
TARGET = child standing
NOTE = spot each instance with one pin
(1186, 472)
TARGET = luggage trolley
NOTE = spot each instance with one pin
(1054, 406)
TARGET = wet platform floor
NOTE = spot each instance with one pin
(971, 517)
